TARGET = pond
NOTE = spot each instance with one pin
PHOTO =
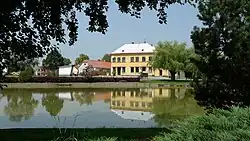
(95, 108)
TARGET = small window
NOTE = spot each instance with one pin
(143, 59)
(132, 59)
(150, 58)
(137, 59)
(122, 50)
(113, 103)
(160, 91)
(123, 59)
(118, 103)
(137, 69)
(118, 59)
(136, 104)
(143, 68)
(132, 69)
(150, 69)
(114, 59)
(142, 50)
(143, 104)
(123, 103)
(123, 69)
(131, 104)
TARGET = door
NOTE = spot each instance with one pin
(160, 72)
(119, 71)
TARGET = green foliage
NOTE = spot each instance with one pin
(106, 58)
(66, 61)
(170, 56)
(220, 125)
(53, 60)
(16, 66)
(25, 41)
(26, 75)
(81, 58)
(223, 49)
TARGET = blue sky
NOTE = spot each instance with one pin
(125, 29)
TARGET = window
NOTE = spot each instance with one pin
(132, 59)
(143, 104)
(143, 59)
(150, 58)
(136, 104)
(123, 69)
(118, 103)
(123, 93)
(132, 104)
(143, 68)
(123, 59)
(123, 103)
(160, 91)
(114, 69)
(131, 94)
(150, 69)
(136, 59)
(136, 69)
(118, 59)
(114, 59)
(132, 69)
(113, 103)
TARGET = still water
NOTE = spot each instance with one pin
(94, 108)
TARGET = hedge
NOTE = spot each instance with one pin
(56, 79)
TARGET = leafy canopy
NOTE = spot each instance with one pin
(106, 58)
(29, 26)
(81, 58)
(170, 56)
(53, 60)
(223, 49)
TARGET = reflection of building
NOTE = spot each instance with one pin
(135, 105)
(66, 96)
(136, 100)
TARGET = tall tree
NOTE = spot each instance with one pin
(106, 58)
(170, 56)
(20, 39)
(52, 103)
(53, 60)
(223, 47)
(81, 58)
(66, 61)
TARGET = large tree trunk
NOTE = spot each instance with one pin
(172, 73)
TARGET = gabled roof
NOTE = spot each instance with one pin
(134, 115)
(98, 64)
(135, 48)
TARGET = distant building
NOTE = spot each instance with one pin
(132, 59)
(41, 71)
(69, 70)
(95, 65)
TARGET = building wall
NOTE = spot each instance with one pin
(134, 66)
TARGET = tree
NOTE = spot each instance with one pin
(81, 58)
(170, 56)
(26, 75)
(16, 66)
(223, 48)
(53, 60)
(66, 61)
(41, 21)
(191, 71)
(106, 58)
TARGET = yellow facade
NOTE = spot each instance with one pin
(133, 64)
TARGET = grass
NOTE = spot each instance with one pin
(97, 134)
(176, 82)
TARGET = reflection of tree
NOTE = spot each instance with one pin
(84, 97)
(52, 103)
(20, 106)
(176, 107)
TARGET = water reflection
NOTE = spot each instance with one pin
(159, 107)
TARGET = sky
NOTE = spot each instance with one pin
(126, 29)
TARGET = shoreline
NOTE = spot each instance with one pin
(95, 85)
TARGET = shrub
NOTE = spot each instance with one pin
(26, 75)
(55, 79)
(219, 125)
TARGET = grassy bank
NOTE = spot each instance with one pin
(142, 84)
(79, 134)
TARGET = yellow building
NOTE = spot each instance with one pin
(132, 59)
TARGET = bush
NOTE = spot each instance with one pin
(219, 125)
(55, 79)
(26, 75)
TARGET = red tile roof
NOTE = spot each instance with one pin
(98, 64)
